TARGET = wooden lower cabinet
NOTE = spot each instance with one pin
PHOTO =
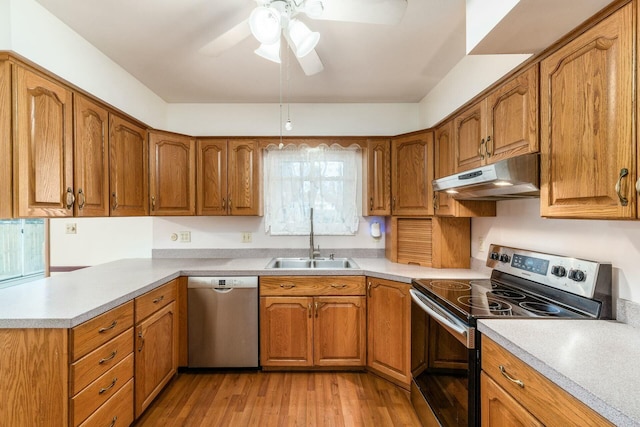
(310, 322)
(513, 393)
(156, 344)
(389, 330)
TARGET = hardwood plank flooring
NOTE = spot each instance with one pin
(277, 399)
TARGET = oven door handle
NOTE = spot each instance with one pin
(439, 315)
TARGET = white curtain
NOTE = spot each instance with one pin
(298, 178)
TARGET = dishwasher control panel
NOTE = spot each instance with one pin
(223, 282)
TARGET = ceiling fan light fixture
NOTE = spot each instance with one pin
(303, 39)
(313, 8)
(270, 51)
(265, 24)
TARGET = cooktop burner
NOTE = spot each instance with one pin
(505, 293)
(540, 307)
(450, 285)
(493, 305)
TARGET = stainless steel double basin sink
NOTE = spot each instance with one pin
(308, 263)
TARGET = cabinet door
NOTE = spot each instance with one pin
(212, 177)
(286, 331)
(377, 178)
(587, 122)
(91, 166)
(445, 158)
(412, 173)
(244, 187)
(6, 168)
(128, 166)
(469, 134)
(512, 117)
(499, 409)
(389, 329)
(43, 148)
(340, 331)
(172, 179)
(156, 355)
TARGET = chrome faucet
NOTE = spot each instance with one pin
(312, 251)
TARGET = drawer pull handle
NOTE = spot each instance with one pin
(507, 376)
(106, 359)
(103, 330)
(338, 285)
(109, 387)
(113, 421)
(623, 200)
(287, 285)
(157, 300)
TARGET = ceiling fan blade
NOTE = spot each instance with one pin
(227, 39)
(365, 11)
(311, 64)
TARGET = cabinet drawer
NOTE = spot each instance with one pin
(544, 399)
(93, 333)
(99, 361)
(312, 285)
(116, 412)
(155, 300)
(99, 391)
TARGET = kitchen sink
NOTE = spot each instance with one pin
(306, 263)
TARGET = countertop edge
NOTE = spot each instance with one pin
(565, 383)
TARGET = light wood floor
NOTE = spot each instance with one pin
(280, 399)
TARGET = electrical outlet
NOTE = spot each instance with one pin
(246, 237)
(185, 236)
(481, 244)
(71, 228)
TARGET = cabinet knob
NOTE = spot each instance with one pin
(488, 148)
(623, 173)
(70, 198)
(153, 203)
(114, 206)
(81, 201)
(481, 149)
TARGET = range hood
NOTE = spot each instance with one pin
(515, 178)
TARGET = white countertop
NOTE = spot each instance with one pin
(596, 361)
(68, 299)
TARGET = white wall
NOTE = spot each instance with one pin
(519, 224)
(5, 25)
(42, 38)
(482, 16)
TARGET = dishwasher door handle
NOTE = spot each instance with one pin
(222, 290)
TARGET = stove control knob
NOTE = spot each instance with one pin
(505, 258)
(494, 256)
(576, 275)
(558, 270)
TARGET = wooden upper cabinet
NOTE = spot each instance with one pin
(6, 164)
(412, 172)
(377, 178)
(502, 125)
(172, 175)
(43, 146)
(229, 177)
(91, 167)
(243, 177)
(128, 165)
(443, 203)
(587, 143)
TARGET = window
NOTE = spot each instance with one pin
(322, 178)
(22, 250)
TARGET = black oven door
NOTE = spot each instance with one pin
(444, 364)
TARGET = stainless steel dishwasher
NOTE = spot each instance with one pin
(223, 322)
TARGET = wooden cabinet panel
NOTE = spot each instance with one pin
(243, 179)
(93, 333)
(98, 392)
(172, 179)
(6, 156)
(91, 166)
(377, 178)
(128, 168)
(156, 359)
(412, 173)
(542, 398)
(212, 177)
(43, 146)
(147, 304)
(500, 409)
(340, 331)
(118, 410)
(512, 117)
(445, 351)
(469, 134)
(389, 330)
(587, 119)
(286, 331)
(311, 285)
(445, 158)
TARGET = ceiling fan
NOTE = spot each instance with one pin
(274, 20)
